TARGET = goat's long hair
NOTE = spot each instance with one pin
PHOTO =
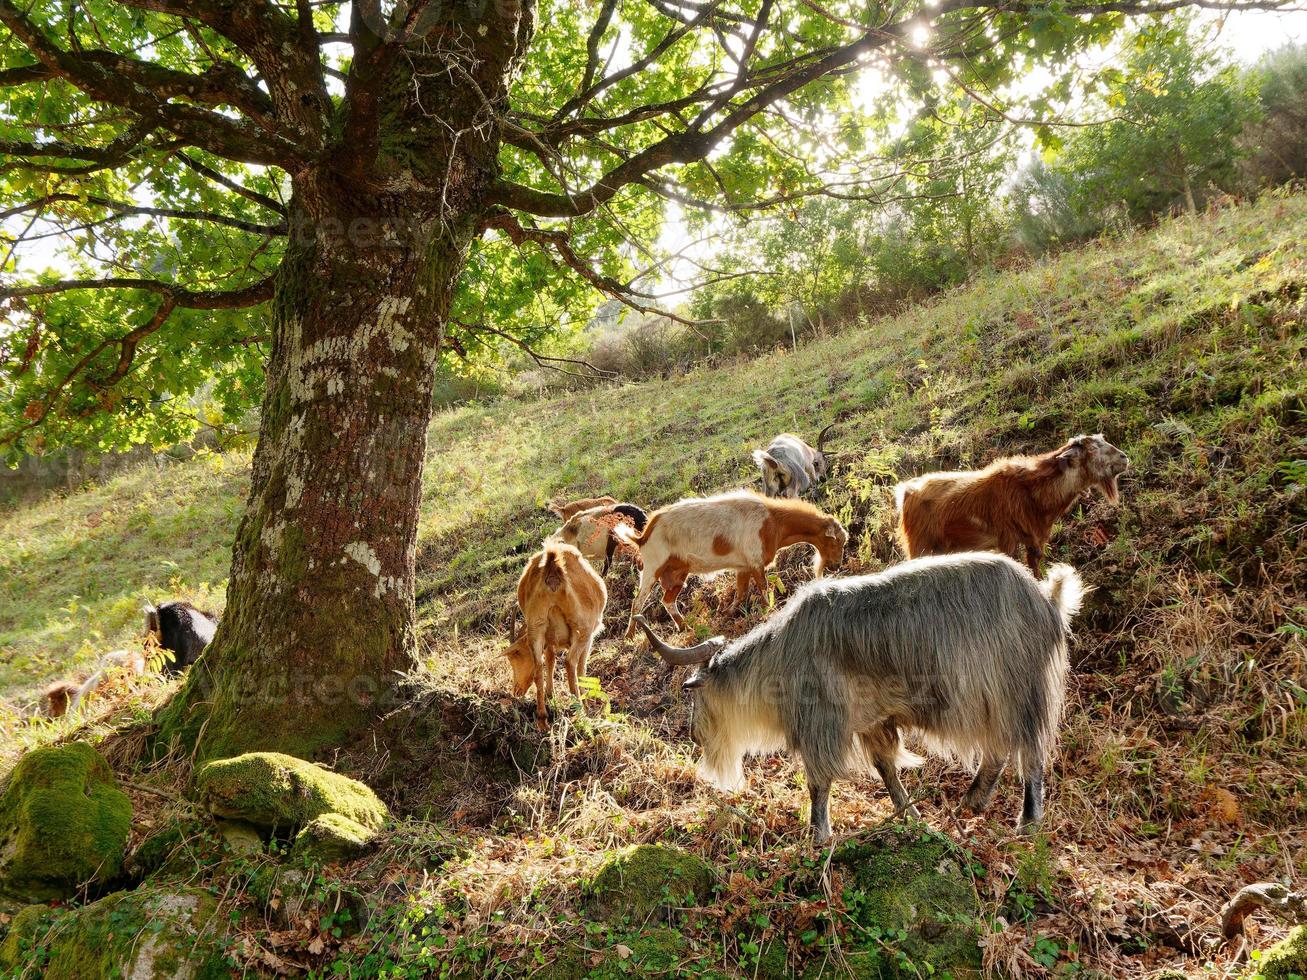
(968, 652)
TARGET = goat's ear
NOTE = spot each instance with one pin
(695, 680)
(762, 459)
(1073, 450)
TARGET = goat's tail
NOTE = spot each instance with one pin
(551, 570)
(151, 618)
(1064, 588)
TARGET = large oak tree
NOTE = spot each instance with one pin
(304, 201)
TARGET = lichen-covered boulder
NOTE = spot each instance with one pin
(63, 822)
(648, 880)
(913, 905)
(282, 793)
(1285, 960)
(146, 934)
(331, 839)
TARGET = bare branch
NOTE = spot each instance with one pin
(560, 243)
(543, 360)
(231, 185)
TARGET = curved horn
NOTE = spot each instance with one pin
(512, 621)
(821, 436)
(681, 656)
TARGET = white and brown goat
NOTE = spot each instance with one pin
(562, 601)
(738, 532)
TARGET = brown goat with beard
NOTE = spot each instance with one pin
(1009, 506)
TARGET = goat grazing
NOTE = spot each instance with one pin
(790, 467)
(590, 531)
(969, 652)
(57, 697)
(740, 531)
(562, 601)
(1010, 505)
(182, 629)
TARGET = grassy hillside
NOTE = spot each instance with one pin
(1184, 750)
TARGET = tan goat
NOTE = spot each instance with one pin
(562, 601)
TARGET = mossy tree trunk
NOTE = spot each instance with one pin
(320, 604)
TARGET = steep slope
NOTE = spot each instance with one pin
(1185, 743)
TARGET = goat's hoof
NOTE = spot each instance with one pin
(542, 724)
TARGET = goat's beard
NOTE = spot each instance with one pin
(726, 774)
(1110, 488)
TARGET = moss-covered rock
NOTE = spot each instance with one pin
(914, 907)
(649, 879)
(20, 943)
(331, 839)
(282, 793)
(63, 822)
(1286, 960)
(146, 934)
(648, 952)
(240, 839)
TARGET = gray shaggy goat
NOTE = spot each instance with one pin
(967, 652)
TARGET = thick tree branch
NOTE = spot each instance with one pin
(123, 82)
(276, 43)
(126, 209)
(181, 296)
(769, 85)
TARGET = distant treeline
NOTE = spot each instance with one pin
(1181, 129)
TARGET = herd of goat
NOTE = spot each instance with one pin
(960, 646)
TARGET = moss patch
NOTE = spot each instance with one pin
(281, 792)
(914, 907)
(19, 948)
(1286, 960)
(63, 822)
(648, 879)
(332, 838)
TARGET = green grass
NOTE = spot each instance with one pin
(1192, 322)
